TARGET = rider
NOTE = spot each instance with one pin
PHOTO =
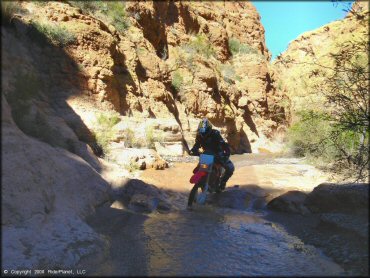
(211, 142)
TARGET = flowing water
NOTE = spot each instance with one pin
(208, 241)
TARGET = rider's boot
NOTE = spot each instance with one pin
(222, 185)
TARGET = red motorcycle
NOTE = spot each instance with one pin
(207, 176)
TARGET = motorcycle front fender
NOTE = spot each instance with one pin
(197, 177)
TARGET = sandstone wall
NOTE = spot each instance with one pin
(46, 194)
(133, 72)
(298, 66)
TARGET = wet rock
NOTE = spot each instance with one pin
(135, 186)
(353, 223)
(143, 203)
(142, 197)
(292, 201)
(232, 198)
(163, 206)
(347, 198)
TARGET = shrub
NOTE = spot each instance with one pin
(310, 135)
(177, 81)
(111, 12)
(151, 138)
(56, 34)
(129, 137)
(236, 47)
(199, 44)
(104, 133)
(116, 15)
(132, 167)
(86, 5)
(318, 137)
(108, 120)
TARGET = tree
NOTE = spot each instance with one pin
(346, 88)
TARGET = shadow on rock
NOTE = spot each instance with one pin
(333, 217)
(245, 197)
(138, 196)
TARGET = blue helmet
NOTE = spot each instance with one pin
(204, 127)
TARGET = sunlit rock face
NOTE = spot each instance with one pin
(179, 61)
(299, 65)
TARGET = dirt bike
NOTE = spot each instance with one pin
(207, 176)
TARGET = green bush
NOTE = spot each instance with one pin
(129, 138)
(110, 12)
(55, 33)
(151, 138)
(132, 167)
(87, 6)
(310, 135)
(108, 120)
(236, 47)
(317, 137)
(177, 81)
(104, 133)
(201, 45)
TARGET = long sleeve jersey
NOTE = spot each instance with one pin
(213, 143)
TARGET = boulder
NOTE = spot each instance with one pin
(143, 158)
(291, 201)
(347, 198)
(143, 203)
(238, 198)
(47, 194)
(169, 148)
(141, 197)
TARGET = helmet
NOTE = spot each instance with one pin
(204, 127)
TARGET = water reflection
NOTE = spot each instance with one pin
(213, 241)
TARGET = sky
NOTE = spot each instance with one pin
(284, 21)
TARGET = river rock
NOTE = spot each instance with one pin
(346, 198)
(169, 148)
(232, 198)
(354, 223)
(142, 197)
(291, 201)
(143, 158)
(143, 203)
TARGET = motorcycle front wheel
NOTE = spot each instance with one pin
(194, 192)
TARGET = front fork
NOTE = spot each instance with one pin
(193, 196)
(209, 170)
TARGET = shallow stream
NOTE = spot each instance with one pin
(208, 241)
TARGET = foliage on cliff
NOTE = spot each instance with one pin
(330, 96)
